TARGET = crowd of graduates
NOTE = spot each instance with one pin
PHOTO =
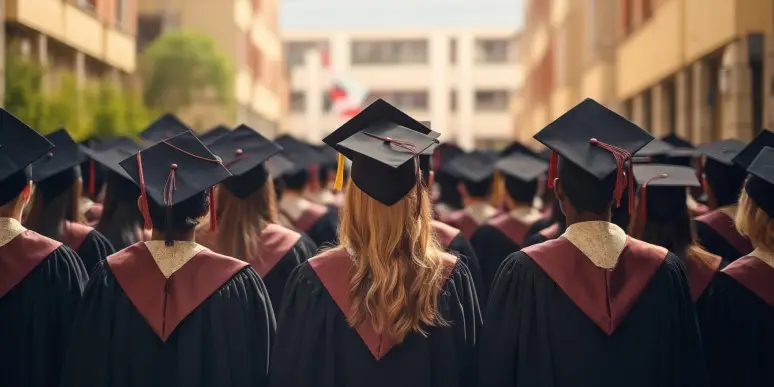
(224, 258)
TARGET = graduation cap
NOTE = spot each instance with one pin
(244, 152)
(521, 167)
(60, 167)
(303, 155)
(471, 167)
(213, 134)
(164, 127)
(517, 147)
(597, 140)
(677, 141)
(760, 185)
(174, 170)
(20, 146)
(110, 159)
(663, 190)
(381, 150)
(279, 165)
(655, 148)
(722, 151)
(94, 178)
(746, 156)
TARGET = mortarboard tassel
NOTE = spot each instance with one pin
(624, 172)
(92, 184)
(339, 182)
(143, 196)
(213, 211)
(553, 168)
(644, 197)
(497, 189)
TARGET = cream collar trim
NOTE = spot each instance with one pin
(526, 215)
(601, 242)
(170, 259)
(10, 228)
(763, 255)
(294, 206)
(481, 212)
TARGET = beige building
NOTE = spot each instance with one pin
(461, 80)
(246, 31)
(703, 69)
(91, 38)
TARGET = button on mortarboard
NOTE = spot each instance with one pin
(666, 175)
(522, 166)
(760, 185)
(164, 127)
(20, 145)
(244, 149)
(722, 151)
(67, 155)
(746, 156)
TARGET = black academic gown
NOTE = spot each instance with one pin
(209, 324)
(92, 247)
(555, 319)
(455, 243)
(41, 282)
(552, 231)
(737, 319)
(718, 235)
(317, 347)
(319, 223)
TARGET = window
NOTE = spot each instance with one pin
(493, 50)
(327, 102)
(452, 51)
(296, 51)
(491, 100)
(406, 100)
(298, 101)
(389, 52)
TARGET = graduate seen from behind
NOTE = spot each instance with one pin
(476, 173)
(56, 210)
(593, 307)
(41, 280)
(387, 307)
(302, 214)
(170, 312)
(739, 315)
(247, 213)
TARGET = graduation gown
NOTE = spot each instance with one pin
(498, 238)
(718, 235)
(551, 232)
(737, 320)
(317, 347)
(701, 271)
(319, 223)
(452, 240)
(281, 250)
(41, 282)
(209, 324)
(89, 243)
(462, 220)
(556, 319)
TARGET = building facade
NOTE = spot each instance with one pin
(703, 69)
(460, 80)
(90, 38)
(247, 32)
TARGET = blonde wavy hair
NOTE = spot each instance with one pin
(754, 223)
(398, 265)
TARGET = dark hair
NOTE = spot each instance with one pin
(585, 192)
(449, 193)
(181, 218)
(323, 174)
(121, 219)
(521, 191)
(479, 189)
(668, 222)
(725, 181)
(557, 216)
(48, 214)
(99, 177)
(279, 186)
(296, 180)
(12, 186)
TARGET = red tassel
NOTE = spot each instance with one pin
(92, 183)
(553, 169)
(213, 211)
(624, 172)
(644, 196)
(143, 196)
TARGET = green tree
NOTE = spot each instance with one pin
(108, 117)
(66, 108)
(23, 97)
(183, 67)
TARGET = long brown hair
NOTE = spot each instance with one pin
(398, 265)
(241, 221)
(48, 217)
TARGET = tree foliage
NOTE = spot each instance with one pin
(183, 67)
(23, 83)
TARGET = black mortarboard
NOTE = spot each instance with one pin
(746, 156)
(20, 146)
(303, 155)
(213, 134)
(517, 147)
(760, 185)
(279, 165)
(655, 148)
(381, 151)
(244, 152)
(472, 167)
(164, 127)
(426, 158)
(663, 190)
(174, 170)
(522, 166)
(677, 141)
(722, 151)
(60, 167)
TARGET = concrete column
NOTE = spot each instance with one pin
(737, 96)
(700, 130)
(638, 110)
(465, 92)
(439, 83)
(659, 118)
(683, 104)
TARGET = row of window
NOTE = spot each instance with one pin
(415, 51)
(484, 100)
(119, 8)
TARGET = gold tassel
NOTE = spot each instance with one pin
(339, 182)
(497, 189)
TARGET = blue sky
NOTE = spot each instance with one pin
(311, 14)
